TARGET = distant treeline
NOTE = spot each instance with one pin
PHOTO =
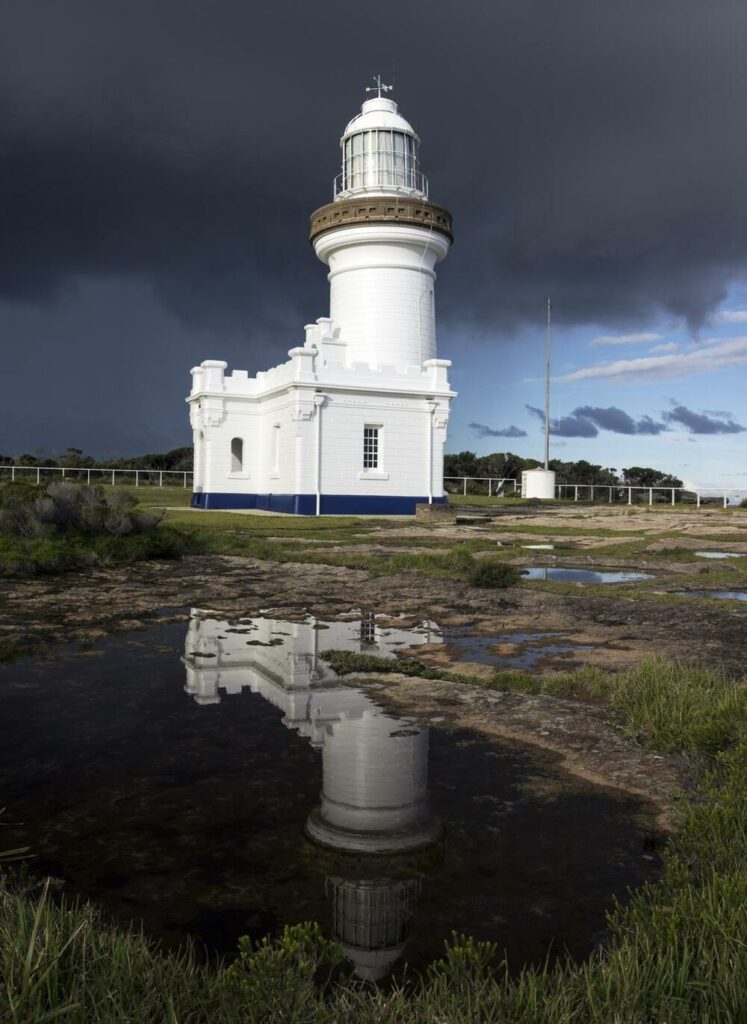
(177, 458)
(499, 464)
(506, 464)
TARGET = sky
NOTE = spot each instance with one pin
(159, 163)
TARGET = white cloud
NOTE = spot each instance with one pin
(668, 346)
(733, 316)
(718, 354)
(625, 339)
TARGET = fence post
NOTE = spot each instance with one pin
(630, 495)
(137, 478)
(465, 487)
(63, 472)
(185, 479)
(113, 472)
(697, 504)
(160, 479)
(88, 481)
(576, 493)
(38, 475)
(591, 488)
(650, 495)
(490, 488)
(610, 498)
(673, 495)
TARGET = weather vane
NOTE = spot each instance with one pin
(379, 87)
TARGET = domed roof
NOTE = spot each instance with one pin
(379, 113)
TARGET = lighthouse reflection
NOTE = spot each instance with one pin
(374, 805)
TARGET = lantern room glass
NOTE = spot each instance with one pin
(380, 159)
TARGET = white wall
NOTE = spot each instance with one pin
(382, 301)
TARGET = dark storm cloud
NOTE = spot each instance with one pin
(189, 142)
(590, 151)
(588, 420)
(480, 430)
(701, 423)
(618, 421)
(567, 426)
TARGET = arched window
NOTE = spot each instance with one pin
(237, 455)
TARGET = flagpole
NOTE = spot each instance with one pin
(547, 390)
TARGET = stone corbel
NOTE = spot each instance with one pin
(213, 412)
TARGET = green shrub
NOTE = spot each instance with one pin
(496, 575)
(68, 526)
(283, 981)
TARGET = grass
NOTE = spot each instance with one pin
(158, 497)
(677, 952)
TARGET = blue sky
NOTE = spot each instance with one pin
(691, 387)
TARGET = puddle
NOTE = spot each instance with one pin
(719, 554)
(509, 650)
(724, 595)
(561, 575)
(223, 782)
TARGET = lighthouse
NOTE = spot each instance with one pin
(355, 421)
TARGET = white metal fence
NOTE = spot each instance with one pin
(493, 486)
(647, 495)
(140, 477)
(501, 486)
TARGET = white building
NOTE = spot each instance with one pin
(355, 421)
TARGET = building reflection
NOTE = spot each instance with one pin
(374, 800)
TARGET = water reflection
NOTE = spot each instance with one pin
(374, 798)
(561, 575)
(719, 554)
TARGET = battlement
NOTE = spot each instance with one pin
(321, 362)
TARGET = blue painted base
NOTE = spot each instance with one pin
(305, 504)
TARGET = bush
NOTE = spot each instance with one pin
(495, 575)
(69, 526)
(63, 508)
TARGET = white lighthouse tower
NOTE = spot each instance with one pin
(355, 421)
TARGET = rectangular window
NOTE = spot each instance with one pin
(370, 447)
(368, 629)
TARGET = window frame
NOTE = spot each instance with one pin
(376, 472)
(371, 447)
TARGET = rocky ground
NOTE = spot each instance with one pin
(611, 626)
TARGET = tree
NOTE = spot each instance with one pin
(644, 476)
(463, 464)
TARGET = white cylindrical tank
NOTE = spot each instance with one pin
(538, 483)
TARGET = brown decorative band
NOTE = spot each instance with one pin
(381, 210)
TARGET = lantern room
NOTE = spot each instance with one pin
(380, 154)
